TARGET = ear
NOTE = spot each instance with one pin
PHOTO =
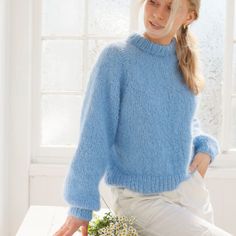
(190, 18)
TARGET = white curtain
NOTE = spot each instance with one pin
(3, 107)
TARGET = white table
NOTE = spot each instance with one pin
(46, 220)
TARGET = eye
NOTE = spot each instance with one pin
(169, 8)
(154, 2)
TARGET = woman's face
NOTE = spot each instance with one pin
(156, 14)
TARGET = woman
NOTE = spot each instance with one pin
(138, 126)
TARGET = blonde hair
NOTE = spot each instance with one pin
(186, 47)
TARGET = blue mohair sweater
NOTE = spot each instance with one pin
(138, 125)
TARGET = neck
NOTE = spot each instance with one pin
(163, 41)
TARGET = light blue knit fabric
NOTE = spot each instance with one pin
(138, 125)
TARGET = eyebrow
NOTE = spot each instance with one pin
(168, 2)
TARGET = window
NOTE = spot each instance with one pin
(67, 38)
(229, 82)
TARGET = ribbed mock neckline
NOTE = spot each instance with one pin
(138, 40)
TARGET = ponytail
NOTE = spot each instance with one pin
(188, 60)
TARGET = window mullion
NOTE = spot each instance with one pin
(227, 76)
(36, 74)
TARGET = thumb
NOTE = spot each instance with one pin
(84, 230)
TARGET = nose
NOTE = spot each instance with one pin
(159, 14)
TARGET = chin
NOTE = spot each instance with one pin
(153, 33)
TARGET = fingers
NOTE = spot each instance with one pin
(69, 230)
(202, 168)
(200, 162)
(84, 230)
(65, 231)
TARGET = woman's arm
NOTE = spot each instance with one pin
(98, 124)
(203, 142)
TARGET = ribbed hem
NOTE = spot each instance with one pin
(207, 144)
(80, 213)
(138, 40)
(145, 183)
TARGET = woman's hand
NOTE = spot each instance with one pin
(71, 225)
(200, 162)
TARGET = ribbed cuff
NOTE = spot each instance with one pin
(206, 144)
(84, 214)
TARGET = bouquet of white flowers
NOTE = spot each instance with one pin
(111, 225)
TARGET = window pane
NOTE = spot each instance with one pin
(60, 119)
(108, 17)
(62, 65)
(63, 17)
(234, 124)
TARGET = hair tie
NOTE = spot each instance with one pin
(184, 28)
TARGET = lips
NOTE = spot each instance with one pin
(155, 25)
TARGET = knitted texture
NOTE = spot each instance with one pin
(138, 126)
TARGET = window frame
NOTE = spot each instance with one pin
(40, 154)
(228, 155)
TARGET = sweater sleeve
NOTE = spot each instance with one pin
(203, 142)
(98, 124)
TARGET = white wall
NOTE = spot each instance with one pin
(20, 103)
(3, 101)
(3, 115)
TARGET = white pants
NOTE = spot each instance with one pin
(185, 211)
